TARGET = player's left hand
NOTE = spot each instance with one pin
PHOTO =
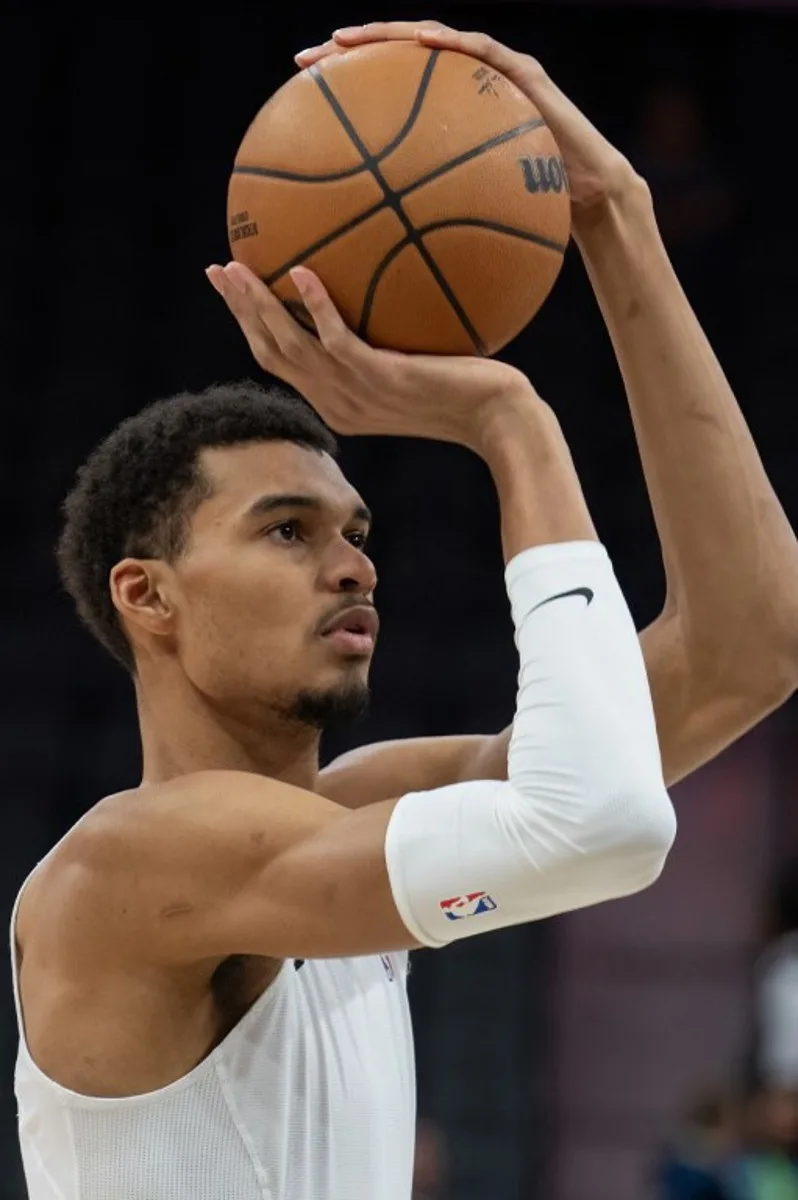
(597, 171)
(357, 389)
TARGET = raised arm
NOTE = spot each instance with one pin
(221, 863)
(724, 651)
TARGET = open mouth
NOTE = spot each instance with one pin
(356, 627)
(354, 631)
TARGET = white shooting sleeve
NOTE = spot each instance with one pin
(584, 815)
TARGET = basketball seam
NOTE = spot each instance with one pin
(393, 202)
(295, 177)
(392, 199)
(353, 222)
(496, 227)
(298, 177)
(497, 140)
(472, 222)
(328, 238)
(376, 276)
(415, 111)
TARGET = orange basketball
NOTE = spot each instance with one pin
(422, 187)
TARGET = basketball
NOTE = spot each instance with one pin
(422, 187)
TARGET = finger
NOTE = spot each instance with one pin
(478, 45)
(260, 341)
(356, 35)
(334, 335)
(314, 54)
(384, 31)
(521, 69)
(263, 310)
(215, 276)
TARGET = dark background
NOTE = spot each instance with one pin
(119, 132)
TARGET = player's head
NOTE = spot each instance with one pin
(215, 535)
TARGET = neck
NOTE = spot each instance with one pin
(181, 732)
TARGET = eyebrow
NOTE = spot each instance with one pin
(269, 504)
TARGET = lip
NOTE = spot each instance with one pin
(355, 645)
(354, 631)
(360, 620)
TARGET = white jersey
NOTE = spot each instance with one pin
(310, 1097)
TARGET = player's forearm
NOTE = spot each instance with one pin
(584, 815)
(731, 557)
(539, 492)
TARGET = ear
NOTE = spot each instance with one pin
(141, 596)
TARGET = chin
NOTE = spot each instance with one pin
(324, 707)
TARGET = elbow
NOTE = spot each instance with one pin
(780, 649)
(642, 840)
(766, 661)
(778, 673)
(648, 850)
(763, 672)
(650, 835)
(657, 823)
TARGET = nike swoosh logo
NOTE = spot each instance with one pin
(580, 591)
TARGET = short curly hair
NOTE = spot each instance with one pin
(138, 489)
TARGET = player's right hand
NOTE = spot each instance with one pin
(357, 389)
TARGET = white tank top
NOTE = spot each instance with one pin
(310, 1097)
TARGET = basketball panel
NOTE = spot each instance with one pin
(347, 264)
(456, 116)
(496, 185)
(376, 86)
(273, 222)
(500, 281)
(411, 313)
(297, 131)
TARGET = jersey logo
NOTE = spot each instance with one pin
(385, 959)
(470, 905)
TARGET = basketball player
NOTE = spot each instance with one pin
(173, 1044)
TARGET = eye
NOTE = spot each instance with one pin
(358, 538)
(287, 532)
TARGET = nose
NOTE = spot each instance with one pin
(349, 569)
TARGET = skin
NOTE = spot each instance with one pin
(234, 845)
(224, 637)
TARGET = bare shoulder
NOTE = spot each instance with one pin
(67, 886)
(143, 857)
(124, 929)
(221, 863)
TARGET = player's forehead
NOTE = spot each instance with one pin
(240, 476)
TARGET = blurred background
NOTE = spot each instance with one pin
(646, 1048)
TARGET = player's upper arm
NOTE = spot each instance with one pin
(223, 862)
(384, 769)
(701, 706)
(699, 709)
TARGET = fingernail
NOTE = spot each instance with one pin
(305, 53)
(236, 279)
(299, 277)
(348, 31)
(214, 282)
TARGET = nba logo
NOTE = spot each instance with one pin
(470, 905)
(385, 959)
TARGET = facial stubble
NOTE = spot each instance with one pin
(329, 708)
